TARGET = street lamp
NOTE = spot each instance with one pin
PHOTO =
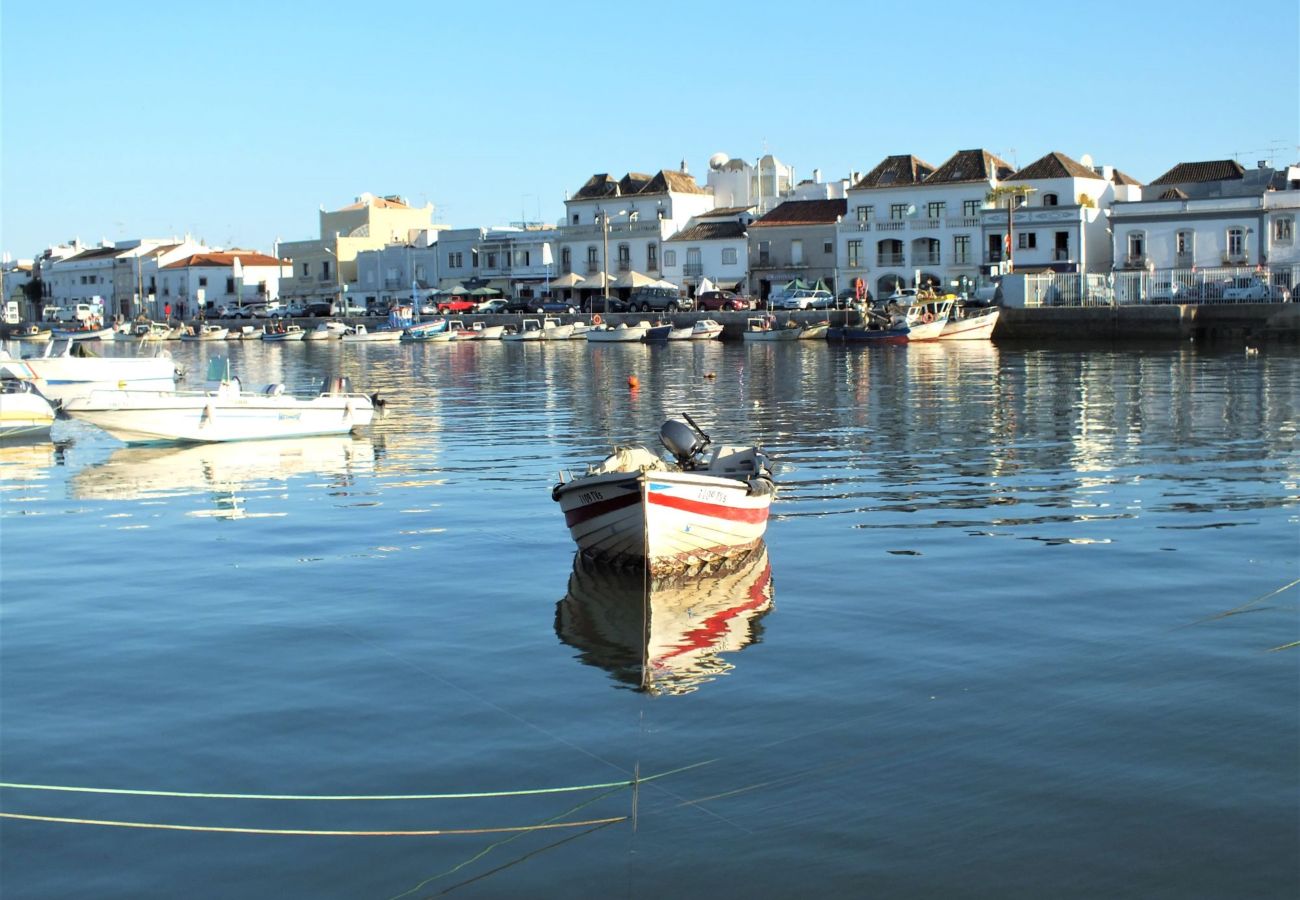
(604, 218)
(338, 276)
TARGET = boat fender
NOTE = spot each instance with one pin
(927, 318)
(596, 319)
(206, 418)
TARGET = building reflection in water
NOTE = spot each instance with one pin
(671, 639)
(225, 471)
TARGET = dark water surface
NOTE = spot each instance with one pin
(1018, 635)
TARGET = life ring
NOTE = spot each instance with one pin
(927, 318)
(596, 319)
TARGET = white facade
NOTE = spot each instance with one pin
(207, 281)
(386, 276)
(519, 261)
(763, 186)
(712, 247)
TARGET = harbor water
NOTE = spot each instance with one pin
(1026, 627)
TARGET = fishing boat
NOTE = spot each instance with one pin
(153, 331)
(326, 331)
(622, 333)
(282, 334)
(580, 330)
(636, 509)
(223, 413)
(703, 330)
(529, 330)
(360, 334)
(766, 328)
(658, 333)
(926, 319)
(670, 636)
(31, 334)
(204, 332)
(23, 412)
(814, 331)
(555, 330)
(87, 333)
(435, 330)
(970, 323)
(75, 371)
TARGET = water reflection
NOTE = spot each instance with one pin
(225, 471)
(25, 464)
(670, 641)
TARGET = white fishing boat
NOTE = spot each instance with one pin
(670, 635)
(84, 334)
(555, 330)
(489, 332)
(31, 334)
(224, 413)
(434, 331)
(529, 330)
(814, 331)
(153, 331)
(970, 323)
(23, 412)
(635, 509)
(281, 334)
(701, 330)
(360, 334)
(766, 328)
(580, 330)
(461, 332)
(925, 319)
(73, 371)
(326, 331)
(622, 333)
(204, 332)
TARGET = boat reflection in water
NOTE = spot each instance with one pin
(671, 639)
(227, 471)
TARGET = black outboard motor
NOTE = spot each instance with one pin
(683, 442)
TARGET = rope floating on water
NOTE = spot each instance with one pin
(431, 832)
(567, 789)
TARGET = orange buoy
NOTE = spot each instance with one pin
(633, 382)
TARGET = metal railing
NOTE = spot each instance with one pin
(964, 222)
(889, 259)
(693, 269)
(895, 225)
(1245, 284)
(925, 259)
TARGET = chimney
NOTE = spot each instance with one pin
(684, 172)
(817, 176)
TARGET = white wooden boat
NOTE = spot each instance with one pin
(84, 334)
(434, 331)
(622, 333)
(282, 334)
(489, 332)
(153, 331)
(225, 413)
(925, 319)
(672, 635)
(766, 328)
(529, 330)
(23, 412)
(60, 376)
(814, 331)
(554, 330)
(703, 330)
(360, 334)
(326, 331)
(635, 509)
(32, 334)
(204, 332)
(970, 324)
(580, 330)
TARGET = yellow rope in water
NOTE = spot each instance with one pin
(315, 833)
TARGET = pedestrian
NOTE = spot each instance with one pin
(167, 311)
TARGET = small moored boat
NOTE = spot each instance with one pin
(32, 334)
(766, 328)
(23, 412)
(360, 334)
(282, 334)
(204, 332)
(622, 333)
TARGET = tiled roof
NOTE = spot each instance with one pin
(710, 231)
(970, 165)
(727, 211)
(895, 170)
(1174, 194)
(1213, 170)
(633, 183)
(1120, 178)
(226, 260)
(94, 253)
(804, 212)
(1054, 165)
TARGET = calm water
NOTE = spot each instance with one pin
(990, 654)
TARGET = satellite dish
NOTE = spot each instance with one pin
(1086, 159)
(718, 160)
(911, 209)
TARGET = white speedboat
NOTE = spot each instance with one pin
(622, 333)
(63, 375)
(635, 509)
(23, 412)
(489, 332)
(204, 332)
(225, 413)
(529, 330)
(360, 334)
(326, 331)
(554, 330)
(766, 328)
(970, 323)
(703, 330)
(580, 330)
(84, 334)
(153, 331)
(282, 334)
(668, 636)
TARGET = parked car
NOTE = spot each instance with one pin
(320, 308)
(495, 305)
(228, 312)
(1254, 289)
(455, 305)
(805, 299)
(725, 301)
(269, 310)
(295, 308)
(660, 299)
(428, 308)
(520, 305)
(598, 304)
(352, 309)
(1168, 292)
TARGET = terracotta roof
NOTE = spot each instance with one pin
(1119, 177)
(970, 165)
(1174, 194)
(633, 183)
(1054, 165)
(895, 170)
(804, 212)
(727, 211)
(226, 260)
(1213, 170)
(710, 231)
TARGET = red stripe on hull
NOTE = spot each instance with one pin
(713, 510)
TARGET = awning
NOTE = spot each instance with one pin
(447, 284)
(568, 280)
(596, 282)
(633, 280)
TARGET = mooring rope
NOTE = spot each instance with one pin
(349, 797)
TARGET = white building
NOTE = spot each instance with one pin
(122, 276)
(762, 186)
(713, 246)
(389, 274)
(627, 219)
(519, 262)
(206, 281)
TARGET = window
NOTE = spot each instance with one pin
(527, 257)
(855, 254)
(419, 272)
(203, 281)
(473, 257)
(230, 285)
(325, 270)
(566, 260)
(591, 255)
(970, 208)
(764, 252)
(1236, 242)
(1136, 245)
(492, 260)
(652, 258)
(897, 211)
(624, 255)
(575, 218)
(1027, 240)
(866, 213)
(728, 256)
(960, 249)
(1183, 243)
(1284, 229)
(935, 210)
(455, 260)
(796, 252)
(1050, 200)
(670, 257)
(305, 271)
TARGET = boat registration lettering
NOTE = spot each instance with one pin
(712, 495)
(590, 497)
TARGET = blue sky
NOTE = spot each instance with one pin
(236, 122)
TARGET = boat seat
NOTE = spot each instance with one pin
(273, 390)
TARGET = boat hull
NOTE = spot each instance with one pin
(61, 378)
(775, 334)
(882, 336)
(664, 521)
(621, 334)
(24, 415)
(973, 328)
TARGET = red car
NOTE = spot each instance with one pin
(726, 301)
(457, 305)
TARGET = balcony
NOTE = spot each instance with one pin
(1060, 254)
(963, 222)
(925, 259)
(1234, 259)
(1184, 260)
(593, 268)
(1135, 261)
(929, 223)
(625, 265)
(889, 259)
(895, 225)
(693, 270)
(652, 265)
(855, 226)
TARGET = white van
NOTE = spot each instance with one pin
(52, 314)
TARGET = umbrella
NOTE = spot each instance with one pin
(633, 280)
(459, 290)
(595, 282)
(484, 292)
(567, 280)
(796, 285)
(666, 284)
